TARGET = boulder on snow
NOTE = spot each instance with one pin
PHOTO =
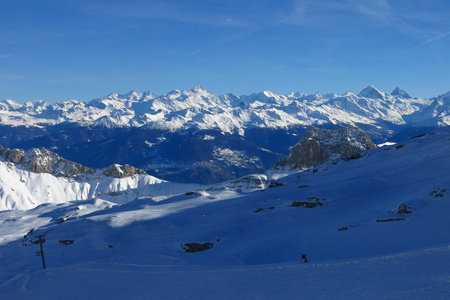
(310, 202)
(321, 145)
(404, 209)
(196, 247)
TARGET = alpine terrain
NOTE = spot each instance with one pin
(198, 137)
(373, 225)
(191, 195)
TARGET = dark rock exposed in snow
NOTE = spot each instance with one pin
(42, 160)
(371, 92)
(400, 93)
(119, 171)
(321, 145)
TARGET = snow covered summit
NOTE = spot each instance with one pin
(372, 92)
(400, 93)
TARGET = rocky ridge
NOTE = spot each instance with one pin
(321, 145)
(42, 160)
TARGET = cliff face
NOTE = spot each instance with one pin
(41, 160)
(321, 145)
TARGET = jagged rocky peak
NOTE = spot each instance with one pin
(371, 92)
(321, 145)
(400, 93)
(41, 160)
(119, 171)
(444, 96)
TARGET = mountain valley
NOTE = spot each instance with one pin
(83, 215)
(221, 137)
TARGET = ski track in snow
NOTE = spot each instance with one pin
(412, 275)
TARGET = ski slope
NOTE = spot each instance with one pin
(358, 245)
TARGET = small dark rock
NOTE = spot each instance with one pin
(303, 204)
(390, 220)
(419, 135)
(196, 247)
(356, 156)
(67, 242)
(275, 184)
(404, 209)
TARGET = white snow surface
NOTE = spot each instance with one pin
(199, 108)
(357, 244)
(21, 189)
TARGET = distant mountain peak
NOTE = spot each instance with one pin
(400, 93)
(133, 93)
(444, 96)
(371, 92)
(198, 89)
(269, 94)
(11, 103)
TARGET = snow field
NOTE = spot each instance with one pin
(358, 246)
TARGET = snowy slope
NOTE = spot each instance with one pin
(349, 217)
(21, 189)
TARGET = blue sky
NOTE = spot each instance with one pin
(76, 49)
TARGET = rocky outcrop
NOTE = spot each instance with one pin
(321, 145)
(119, 171)
(196, 247)
(42, 160)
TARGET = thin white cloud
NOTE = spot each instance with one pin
(162, 10)
(379, 9)
(237, 37)
(432, 40)
(313, 11)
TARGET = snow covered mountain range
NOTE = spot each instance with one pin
(196, 136)
(201, 109)
(375, 226)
